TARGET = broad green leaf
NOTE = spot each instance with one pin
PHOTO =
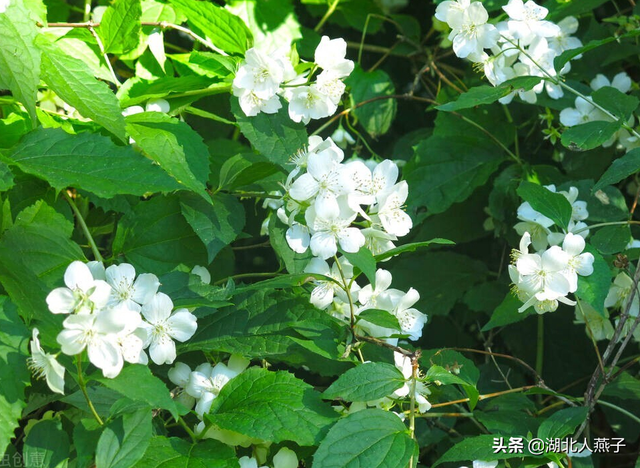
(366, 382)
(188, 290)
(13, 127)
(375, 116)
(381, 318)
(120, 26)
(364, 261)
(14, 375)
(273, 24)
(447, 170)
(589, 135)
(562, 423)
(174, 145)
(245, 169)
(619, 104)
(155, 237)
(216, 223)
(19, 57)
(284, 281)
(443, 376)
(73, 81)
(90, 162)
(507, 312)
(275, 136)
(554, 206)
(595, 287)
(34, 254)
(611, 239)
(47, 445)
(506, 422)
(148, 388)
(624, 386)
(480, 95)
(156, 10)
(81, 44)
(412, 247)
(451, 361)
(86, 434)
(125, 439)
(226, 31)
(620, 169)
(138, 90)
(371, 438)
(560, 61)
(6, 177)
(272, 406)
(476, 448)
(172, 452)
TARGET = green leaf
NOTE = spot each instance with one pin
(174, 145)
(619, 104)
(377, 116)
(445, 171)
(217, 224)
(452, 361)
(275, 136)
(611, 240)
(594, 288)
(154, 236)
(475, 448)
(125, 439)
(19, 57)
(371, 438)
(148, 388)
(90, 162)
(507, 312)
(6, 177)
(442, 375)
(554, 206)
(381, 318)
(73, 81)
(364, 261)
(620, 169)
(272, 406)
(86, 434)
(245, 169)
(366, 382)
(14, 375)
(480, 95)
(589, 135)
(412, 247)
(226, 31)
(138, 90)
(47, 445)
(172, 452)
(562, 423)
(188, 290)
(560, 61)
(120, 26)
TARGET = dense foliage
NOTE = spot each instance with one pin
(328, 233)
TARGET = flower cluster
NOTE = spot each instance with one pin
(526, 44)
(584, 111)
(545, 277)
(263, 77)
(115, 316)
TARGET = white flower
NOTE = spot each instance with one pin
(203, 273)
(285, 458)
(206, 382)
(259, 73)
(330, 84)
(164, 327)
(330, 56)
(619, 292)
(298, 238)
(129, 292)
(308, 102)
(470, 32)
(4, 4)
(452, 11)
(158, 105)
(564, 41)
(621, 82)
(378, 241)
(132, 110)
(179, 375)
(83, 293)
(578, 263)
(583, 112)
(331, 228)
(527, 21)
(403, 363)
(368, 295)
(249, 462)
(45, 365)
(95, 332)
(342, 138)
(390, 210)
(599, 327)
(252, 104)
(411, 320)
(323, 294)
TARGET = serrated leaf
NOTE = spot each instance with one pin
(619, 104)
(366, 382)
(174, 145)
(226, 31)
(620, 169)
(275, 136)
(19, 57)
(554, 206)
(364, 261)
(148, 388)
(480, 95)
(217, 223)
(172, 452)
(412, 247)
(272, 406)
(14, 375)
(562, 423)
(589, 135)
(90, 162)
(371, 438)
(376, 117)
(124, 440)
(46, 445)
(120, 26)
(73, 81)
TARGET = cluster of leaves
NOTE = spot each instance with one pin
(167, 192)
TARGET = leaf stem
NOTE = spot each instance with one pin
(83, 387)
(83, 226)
(485, 396)
(412, 403)
(116, 81)
(612, 223)
(186, 428)
(540, 345)
(326, 16)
